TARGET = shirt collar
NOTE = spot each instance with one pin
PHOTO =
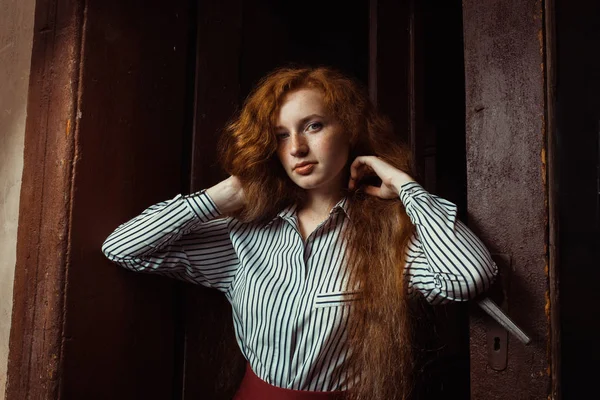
(289, 212)
(343, 205)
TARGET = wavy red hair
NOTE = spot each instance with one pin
(380, 332)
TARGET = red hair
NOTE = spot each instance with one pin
(380, 334)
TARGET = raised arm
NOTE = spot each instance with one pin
(445, 261)
(185, 238)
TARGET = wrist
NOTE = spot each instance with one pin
(225, 195)
(401, 180)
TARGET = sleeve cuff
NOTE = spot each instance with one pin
(409, 191)
(203, 207)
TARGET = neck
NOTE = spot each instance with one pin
(320, 202)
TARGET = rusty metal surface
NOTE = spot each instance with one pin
(36, 331)
(507, 198)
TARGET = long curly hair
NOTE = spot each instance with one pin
(379, 329)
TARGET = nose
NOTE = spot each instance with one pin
(299, 146)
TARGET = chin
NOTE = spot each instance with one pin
(306, 185)
(305, 182)
(310, 182)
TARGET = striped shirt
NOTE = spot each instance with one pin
(289, 296)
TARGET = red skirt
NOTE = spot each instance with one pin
(254, 388)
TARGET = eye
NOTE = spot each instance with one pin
(314, 126)
(282, 135)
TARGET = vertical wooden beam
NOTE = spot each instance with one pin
(507, 187)
(553, 203)
(37, 321)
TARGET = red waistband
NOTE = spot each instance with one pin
(254, 388)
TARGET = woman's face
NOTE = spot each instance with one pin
(311, 144)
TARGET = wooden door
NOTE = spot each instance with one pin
(508, 48)
(104, 139)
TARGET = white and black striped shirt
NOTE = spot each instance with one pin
(288, 295)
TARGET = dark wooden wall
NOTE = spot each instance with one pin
(578, 170)
(104, 139)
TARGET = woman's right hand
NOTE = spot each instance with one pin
(228, 195)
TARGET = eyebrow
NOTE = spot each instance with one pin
(303, 121)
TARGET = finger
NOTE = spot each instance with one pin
(354, 169)
(360, 166)
(353, 181)
(357, 175)
(366, 163)
(356, 164)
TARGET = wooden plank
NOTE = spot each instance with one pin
(507, 188)
(553, 203)
(36, 330)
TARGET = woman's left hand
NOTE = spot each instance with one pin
(391, 178)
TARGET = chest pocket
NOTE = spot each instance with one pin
(335, 299)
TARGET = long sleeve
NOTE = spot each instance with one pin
(183, 238)
(445, 261)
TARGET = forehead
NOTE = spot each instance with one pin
(300, 103)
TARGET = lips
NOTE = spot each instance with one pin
(304, 168)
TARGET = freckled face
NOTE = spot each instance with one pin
(311, 144)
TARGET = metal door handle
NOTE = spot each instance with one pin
(500, 316)
(498, 328)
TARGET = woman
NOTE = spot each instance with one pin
(318, 239)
